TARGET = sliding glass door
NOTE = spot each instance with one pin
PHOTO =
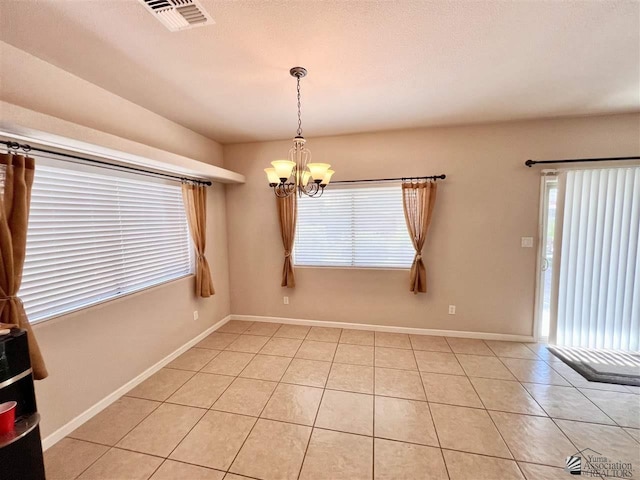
(594, 297)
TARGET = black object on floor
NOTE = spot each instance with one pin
(604, 366)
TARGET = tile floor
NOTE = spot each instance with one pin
(278, 402)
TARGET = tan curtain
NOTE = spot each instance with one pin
(195, 204)
(288, 213)
(418, 199)
(16, 179)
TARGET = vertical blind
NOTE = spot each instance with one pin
(599, 282)
(353, 227)
(93, 237)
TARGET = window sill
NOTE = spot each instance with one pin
(108, 300)
(322, 267)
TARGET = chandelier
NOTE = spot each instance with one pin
(297, 173)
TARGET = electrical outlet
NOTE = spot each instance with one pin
(452, 309)
(195, 315)
(526, 242)
(285, 300)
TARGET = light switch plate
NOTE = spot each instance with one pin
(526, 242)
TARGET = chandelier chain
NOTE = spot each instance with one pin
(299, 116)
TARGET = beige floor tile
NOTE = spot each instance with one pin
(292, 331)
(294, 404)
(395, 358)
(624, 408)
(451, 389)
(115, 421)
(161, 385)
(566, 402)
(541, 350)
(357, 337)
(69, 458)
(395, 340)
(404, 420)
(429, 343)
(346, 412)
(324, 334)
(351, 378)
(235, 326)
(228, 363)
(470, 346)
(193, 359)
(284, 347)
(611, 442)
(201, 390)
(354, 354)
(248, 343)
(121, 465)
(215, 440)
(398, 383)
(542, 472)
(263, 328)
(233, 476)
(506, 396)
(273, 451)
(338, 456)
(245, 396)
(266, 367)
(311, 350)
(465, 466)
(218, 341)
(634, 432)
(631, 388)
(484, 366)
(394, 460)
(307, 372)
(468, 430)
(160, 432)
(511, 349)
(172, 470)
(438, 362)
(532, 371)
(577, 380)
(533, 439)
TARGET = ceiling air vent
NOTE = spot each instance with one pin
(178, 14)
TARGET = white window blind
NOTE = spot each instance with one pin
(353, 227)
(94, 236)
(599, 284)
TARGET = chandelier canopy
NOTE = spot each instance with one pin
(297, 173)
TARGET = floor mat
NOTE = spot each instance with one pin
(605, 366)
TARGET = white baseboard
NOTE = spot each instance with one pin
(385, 328)
(92, 411)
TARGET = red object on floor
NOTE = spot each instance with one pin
(7, 417)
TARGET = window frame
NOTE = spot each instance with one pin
(354, 186)
(52, 160)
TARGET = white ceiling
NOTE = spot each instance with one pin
(372, 65)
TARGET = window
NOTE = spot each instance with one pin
(353, 227)
(96, 236)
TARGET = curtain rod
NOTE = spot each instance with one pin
(15, 146)
(431, 177)
(530, 163)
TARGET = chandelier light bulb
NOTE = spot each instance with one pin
(283, 168)
(272, 175)
(327, 178)
(318, 170)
